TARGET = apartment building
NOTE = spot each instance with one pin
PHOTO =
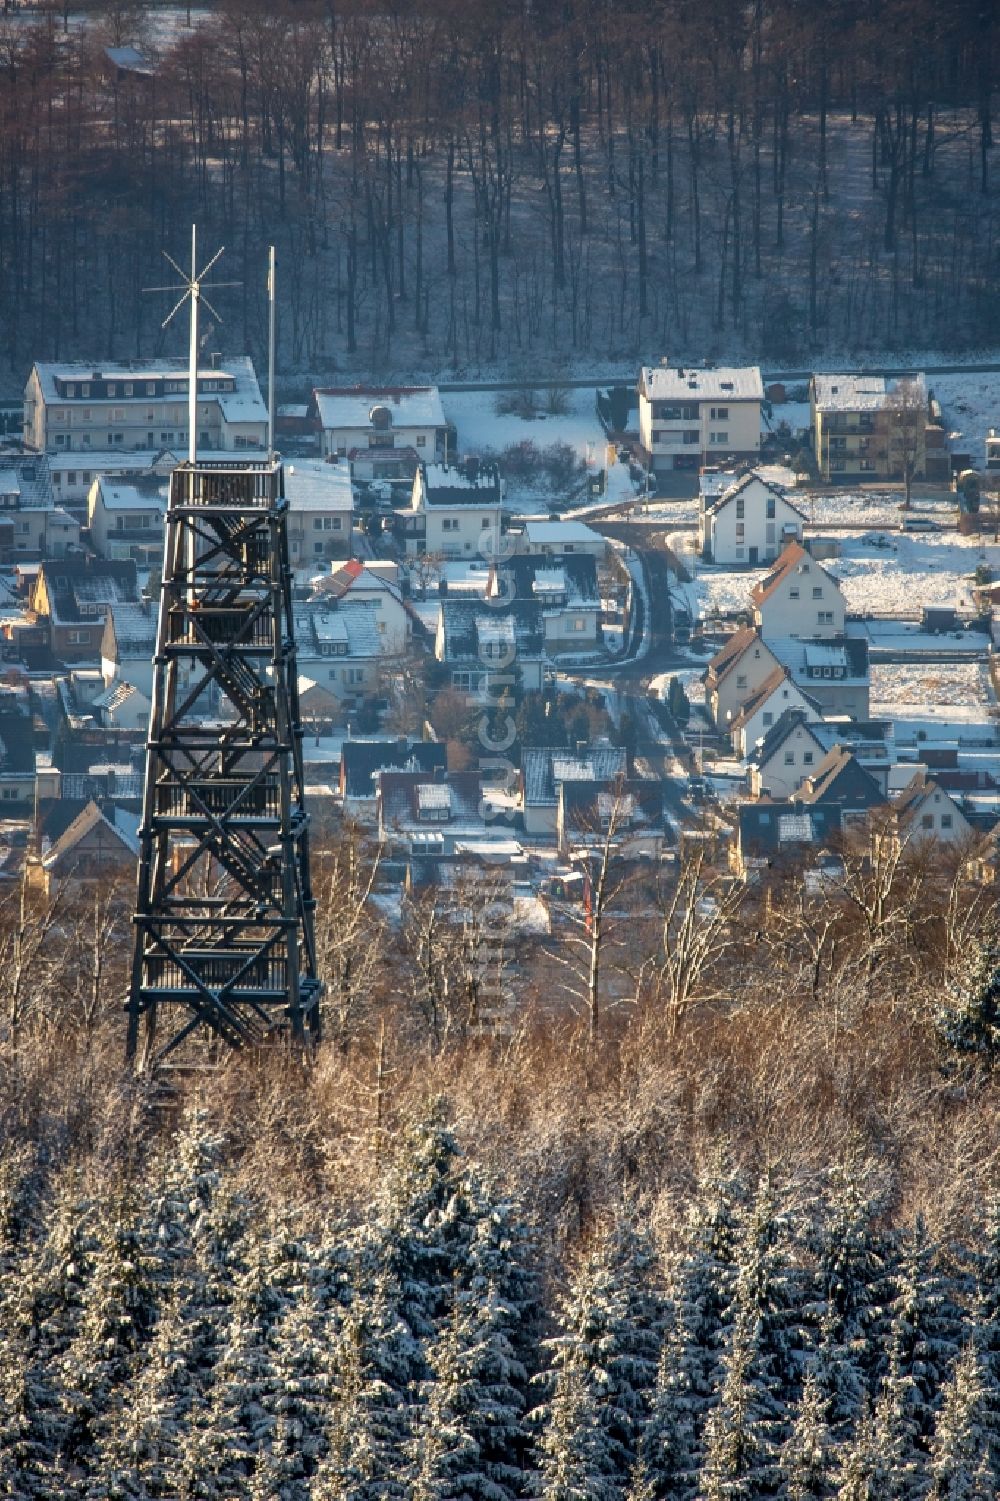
(81, 407)
(691, 417)
(126, 519)
(867, 427)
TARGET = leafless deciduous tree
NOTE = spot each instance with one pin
(698, 930)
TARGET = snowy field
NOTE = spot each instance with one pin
(971, 405)
(481, 427)
(913, 571)
(947, 685)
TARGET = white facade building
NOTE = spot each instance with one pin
(452, 513)
(83, 408)
(320, 510)
(549, 538)
(798, 598)
(691, 417)
(764, 708)
(126, 519)
(379, 417)
(749, 523)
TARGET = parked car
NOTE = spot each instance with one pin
(919, 524)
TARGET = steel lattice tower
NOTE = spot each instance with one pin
(224, 939)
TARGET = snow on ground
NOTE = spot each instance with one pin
(929, 568)
(971, 405)
(480, 426)
(944, 684)
(916, 570)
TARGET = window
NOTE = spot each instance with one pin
(691, 435)
(817, 591)
(946, 820)
(119, 414)
(720, 413)
(789, 758)
(128, 388)
(770, 508)
(317, 547)
(793, 593)
(71, 476)
(768, 718)
(741, 680)
(927, 822)
(150, 388)
(825, 617)
(740, 531)
(71, 389)
(579, 624)
(741, 508)
(10, 793)
(79, 638)
(807, 758)
(657, 435)
(449, 523)
(421, 440)
(485, 522)
(718, 437)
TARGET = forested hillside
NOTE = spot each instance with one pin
(733, 1232)
(453, 184)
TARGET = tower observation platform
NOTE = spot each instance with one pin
(224, 944)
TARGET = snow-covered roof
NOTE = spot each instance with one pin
(9, 484)
(571, 769)
(352, 623)
(243, 404)
(855, 393)
(549, 581)
(433, 795)
(573, 532)
(313, 485)
(352, 406)
(723, 383)
(118, 496)
(795, 828)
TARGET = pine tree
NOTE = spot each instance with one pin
(119, 1309)
(739, 1453)
(863, 1474)
(807, 1458)
(371, 1414)
(925, 1335)
(961, 1464)
(968, 1018)
(986, 1319)
(297, 1401)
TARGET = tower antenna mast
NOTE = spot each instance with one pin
(271, 298)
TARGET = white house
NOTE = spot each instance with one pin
(340, 647)
(764, 708)
(690, 417)
(379, 417)
(798, 598)
(81, 407)
(735, 673)
(748, 523)
(125, 518)
(123, 706)
(789, 751)
(548, 538)
(925, 811)
(372, 583)
(31, 523)
(128, 645)
(453, 512)
(320, 510)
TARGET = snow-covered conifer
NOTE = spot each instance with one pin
(961, 1464)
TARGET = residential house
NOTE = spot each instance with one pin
(363, 761)
(71, 596)
(924, 811)
(498, 643)
(123, 706)
(73, 472)
(352, 417)
(100, 846)
(564, 591)
(543, 772)
(789, 751)
(32, 525)
(798, 598)
(691, 417)
(777, 836)
(17, 758)
(735, 673)
(395, 467)
(630, 808)
(763, 708)
(428, 812)
(833, 671)
(870, 427)
(749, 523)
(374, 583)
(128, 645)
(76, 406)
(340, 648)
(562, 538)
(320, 511)
(841, 780)
(126, 518)
(453, 512)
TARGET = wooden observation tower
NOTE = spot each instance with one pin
(224, 944)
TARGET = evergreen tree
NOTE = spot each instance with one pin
(961, 1464)
(925, 1335)
(863, 1474)
(807, 1457)
(739, 1460)
(297, 1401)
(968, 1019)
(986, 1320)
(119, 1309)
(371, 1415)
